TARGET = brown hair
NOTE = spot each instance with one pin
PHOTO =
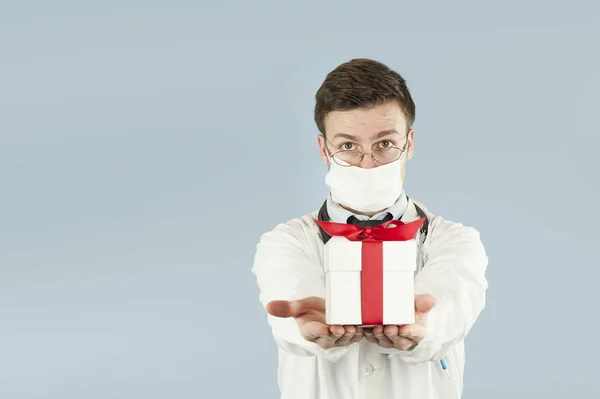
(361, 83)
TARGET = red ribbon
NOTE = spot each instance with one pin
(372, 258)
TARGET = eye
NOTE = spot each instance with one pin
(386, 144)
(347, 146)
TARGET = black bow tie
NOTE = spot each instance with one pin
(368, 223)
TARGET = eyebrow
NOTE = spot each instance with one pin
(374, 137)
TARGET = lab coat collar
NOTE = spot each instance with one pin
(412, 212)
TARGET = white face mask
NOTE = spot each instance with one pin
(365, 190)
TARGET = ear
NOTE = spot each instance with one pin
(410, 149)
(323, 149)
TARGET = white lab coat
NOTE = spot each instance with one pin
(452, 261)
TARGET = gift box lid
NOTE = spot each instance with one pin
(341, 254)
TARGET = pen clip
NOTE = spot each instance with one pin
(444, 367)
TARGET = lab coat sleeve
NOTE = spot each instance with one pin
(454, 273)
(285, 272)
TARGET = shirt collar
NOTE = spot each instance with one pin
(339, 214)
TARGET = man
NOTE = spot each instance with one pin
(364, 113)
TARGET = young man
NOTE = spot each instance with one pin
(364, 112)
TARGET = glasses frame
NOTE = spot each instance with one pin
(362, 154)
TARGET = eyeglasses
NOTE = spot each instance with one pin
(381, 155)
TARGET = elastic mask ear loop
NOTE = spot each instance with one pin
(329, 155)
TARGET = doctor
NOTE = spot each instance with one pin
(364, 112)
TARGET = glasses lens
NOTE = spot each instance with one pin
(347, 158)
(387, 155)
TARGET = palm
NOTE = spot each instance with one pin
(407, 336)
(310, 316)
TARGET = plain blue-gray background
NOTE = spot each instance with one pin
(145, 146)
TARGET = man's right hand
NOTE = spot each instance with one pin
(310, 316)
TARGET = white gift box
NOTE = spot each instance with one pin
(343, 276)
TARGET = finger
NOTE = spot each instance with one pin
(377, 330)
(345, 339)
(326, 342)
(334, 333)
(424, 303)
(337, 330)
(371, 338)
(295, 308)
(390, 331)
(414, 332)
(358, 335)
(279, 308)
(306, 305)
(314, 330)
(402, 343)
(382, 340)
(350, 329)
(398, 342)
(356, 338)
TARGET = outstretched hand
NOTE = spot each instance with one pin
(310, 316)
(407, 336)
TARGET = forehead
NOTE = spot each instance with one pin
(365, 122)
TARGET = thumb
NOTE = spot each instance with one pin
(295, 308)
(424, 303)
(280, 308)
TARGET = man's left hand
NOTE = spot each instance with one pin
(407, 336)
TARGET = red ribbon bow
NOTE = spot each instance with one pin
(372, 258)
(398, 231)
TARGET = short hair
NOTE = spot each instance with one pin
(361, 83)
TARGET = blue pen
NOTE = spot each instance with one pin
(445, 367)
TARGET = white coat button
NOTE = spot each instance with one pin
(367, 370)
